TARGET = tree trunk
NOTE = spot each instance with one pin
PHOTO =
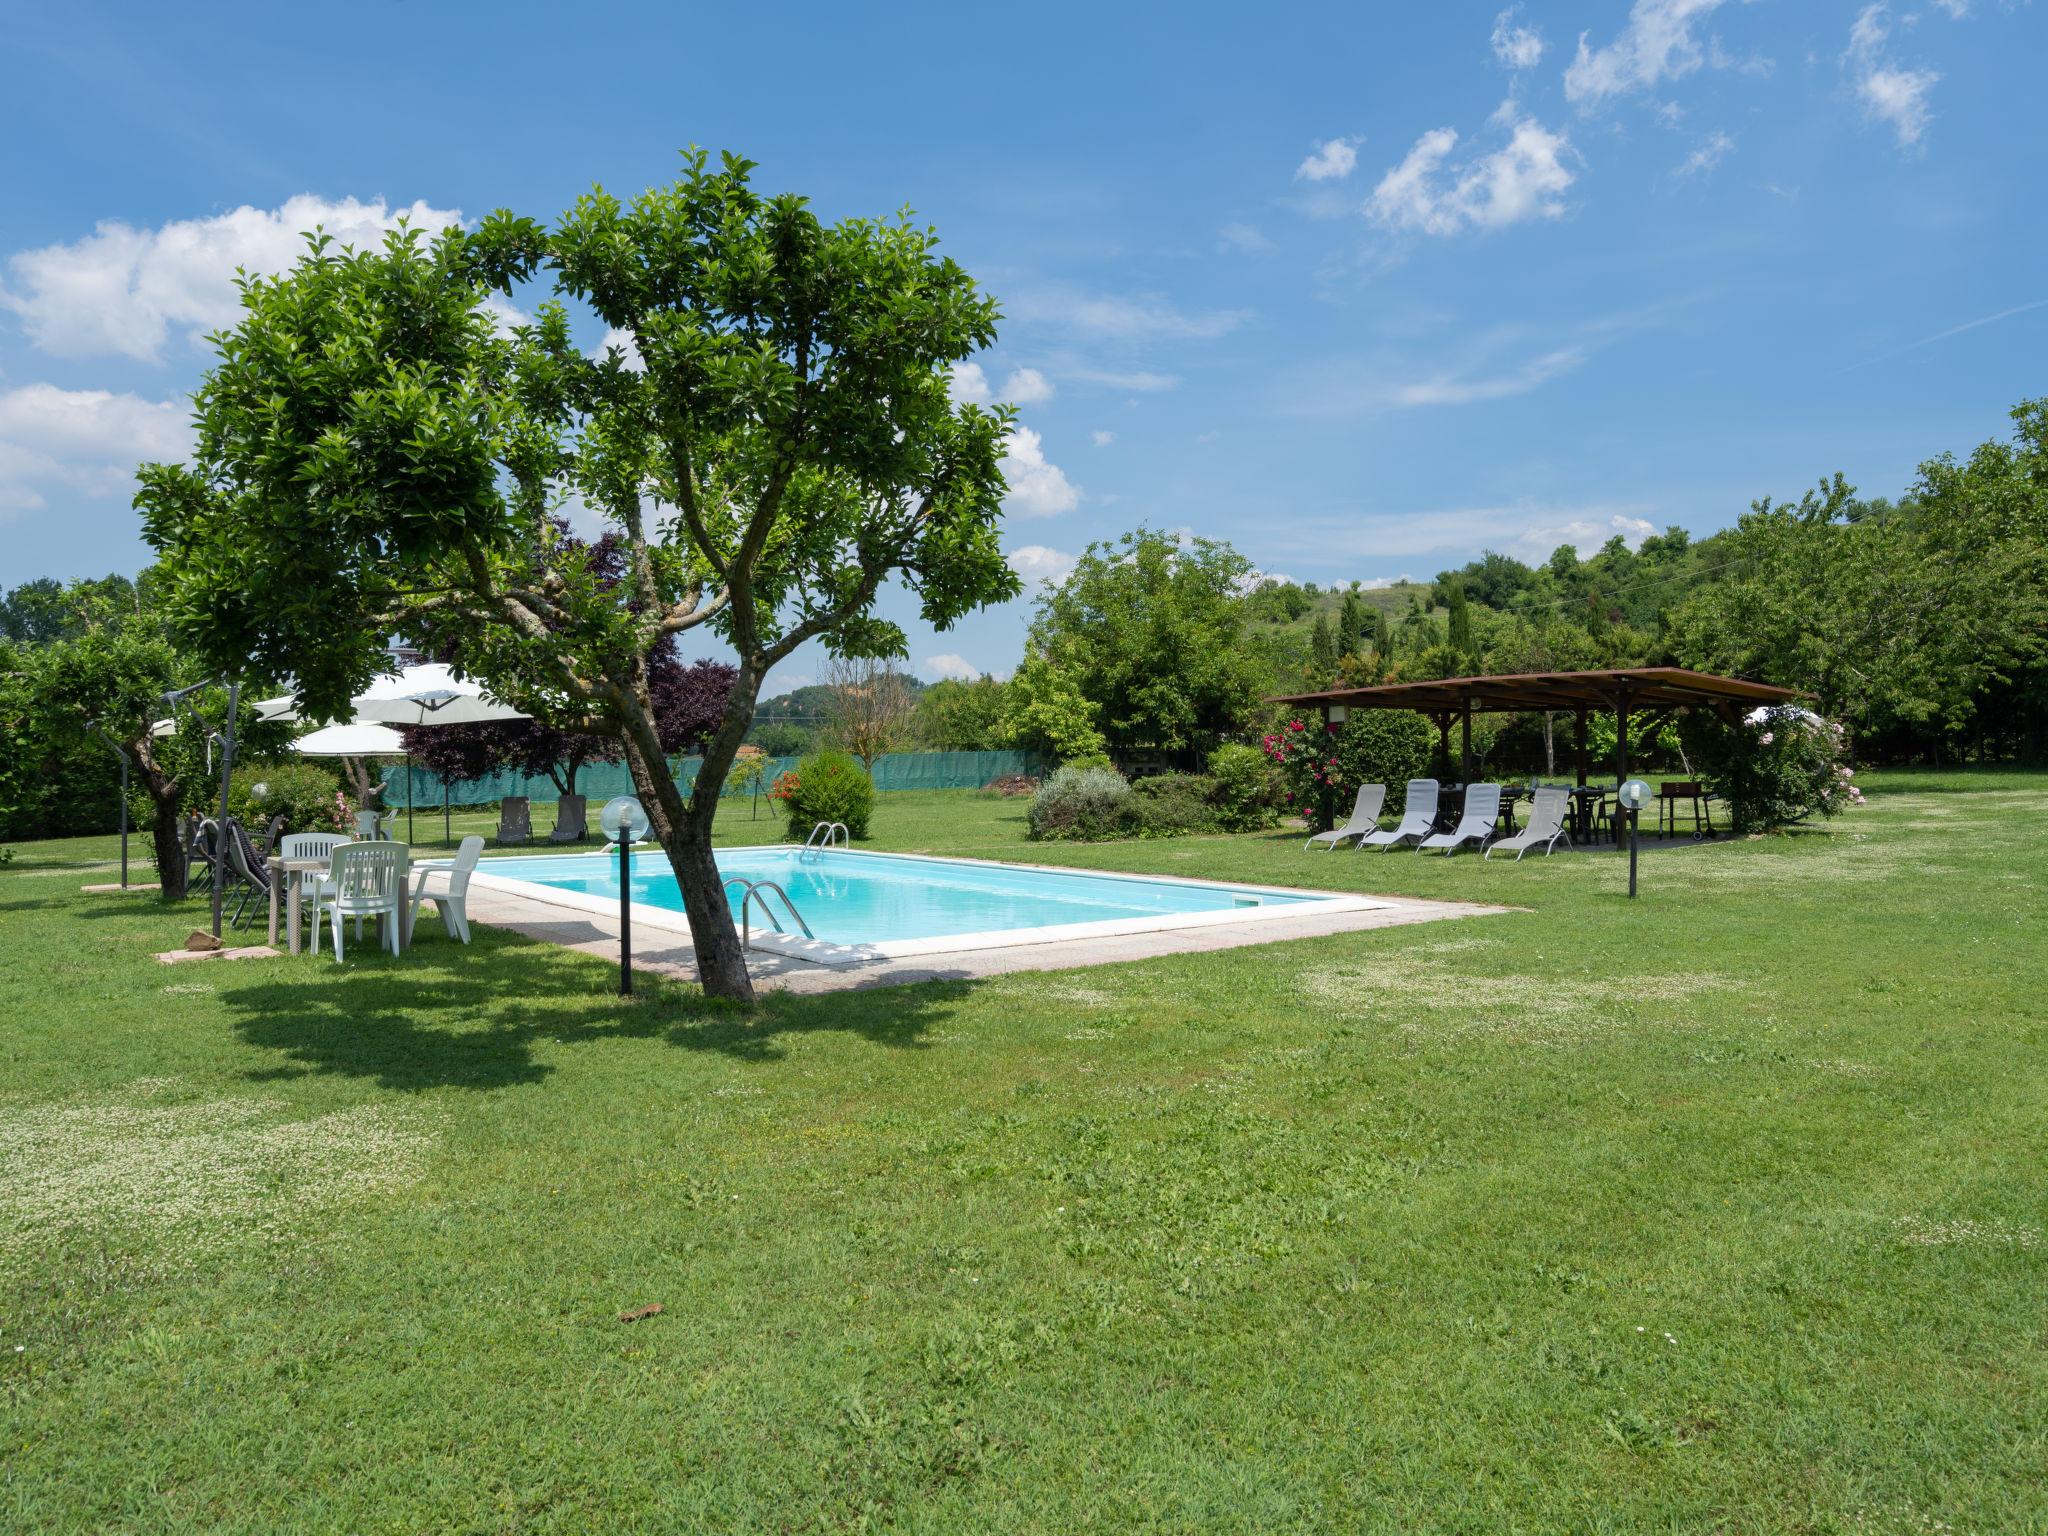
(168, 847)
(683, 828)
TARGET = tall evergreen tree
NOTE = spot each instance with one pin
(1322, 650)
(1351, 626)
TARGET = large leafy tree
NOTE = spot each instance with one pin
(1153, 630)
(65, 703)
(770, 438)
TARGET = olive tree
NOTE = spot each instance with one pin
(383, 443)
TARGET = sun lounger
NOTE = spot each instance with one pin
(1365, 817)
(1476, 825)
(515, 820)
(571, 826)
(1547, 814)
(1417, 817)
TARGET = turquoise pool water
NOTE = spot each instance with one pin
(864, 898)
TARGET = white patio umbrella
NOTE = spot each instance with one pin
(352, 740)
(428, 694)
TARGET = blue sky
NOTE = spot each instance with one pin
(1362, 290)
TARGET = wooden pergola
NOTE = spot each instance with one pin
(1663, 689)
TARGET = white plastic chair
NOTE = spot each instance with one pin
(309, 845)
(447, 887)
(1546, 825)
(1482, 815)
(1365, 817)
(367, 880)
(1417, 817)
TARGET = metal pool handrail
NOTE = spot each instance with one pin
(822, 834)
(754, 888)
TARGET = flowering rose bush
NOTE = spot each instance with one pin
(1780, 765)
(1379, 746)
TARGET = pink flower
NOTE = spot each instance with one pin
(1848, 773)
(1294, 725)
(1766, 739)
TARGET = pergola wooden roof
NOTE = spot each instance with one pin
(1663, 689)
(1652, 687)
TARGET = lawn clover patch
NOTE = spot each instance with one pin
(198, 1173)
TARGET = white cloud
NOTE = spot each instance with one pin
(121, 291)
(82, 442)
(1656, 44)
(1896, 97)
(1584, 534)
(1955, 10)
(1024, 386)
(1517, 47)
(1527, 530)
(1027, 386)
(1449, 389)
(1103, 439)
(1248, 238)
(1035, 563)
(1526, 178)
(628, 347)
(1331, 160)
(969, 385)
(1710, 153)
(951, 664)
(1037, 488)
(1139, 381)
(1139, 317)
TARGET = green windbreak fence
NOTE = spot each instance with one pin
(601, 781)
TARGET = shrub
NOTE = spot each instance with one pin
(1082, 804)
(1374, 746)
(1781, 765)
(304, 794)
(1175, 804)
(826, 786)
(1245, 792)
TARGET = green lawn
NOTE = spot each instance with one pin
(1720, 1211)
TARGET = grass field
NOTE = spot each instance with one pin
(1719, 1211)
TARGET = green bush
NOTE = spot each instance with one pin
(826, 786)
(1175, 804)
(1245, 791)
(1082, 805)
(303, 793)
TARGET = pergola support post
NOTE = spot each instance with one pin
(1580, 743)
(1465, 741)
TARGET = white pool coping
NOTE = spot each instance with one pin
(1299, 903)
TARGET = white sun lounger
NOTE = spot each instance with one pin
(1482, 815)
(1546, 825)
(1365, 817)
(1417, 817)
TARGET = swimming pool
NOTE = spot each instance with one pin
(887, 904)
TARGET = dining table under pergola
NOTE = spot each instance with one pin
(1622, 691)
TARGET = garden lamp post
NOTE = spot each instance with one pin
(1633, 795)
(624, 819)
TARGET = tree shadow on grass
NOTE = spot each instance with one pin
(473, 1016)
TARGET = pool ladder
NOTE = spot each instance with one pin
(828, 834)
(753, 897)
